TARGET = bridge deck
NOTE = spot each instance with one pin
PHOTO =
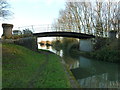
(64, 34)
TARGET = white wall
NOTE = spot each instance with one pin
(86, 45)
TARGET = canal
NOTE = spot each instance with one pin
(89, 73)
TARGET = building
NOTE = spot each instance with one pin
(17, 32)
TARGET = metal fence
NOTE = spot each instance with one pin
(37, 28)
(46, 28)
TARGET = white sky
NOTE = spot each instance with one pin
(33, 12)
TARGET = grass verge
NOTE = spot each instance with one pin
(23, 68)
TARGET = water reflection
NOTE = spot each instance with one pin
(46, 47)
(96, 74)
(89, 73)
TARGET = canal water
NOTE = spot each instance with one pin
(89, 73)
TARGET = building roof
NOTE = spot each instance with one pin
(16, 31)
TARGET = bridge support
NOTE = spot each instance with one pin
(86, 45)
(112, 34)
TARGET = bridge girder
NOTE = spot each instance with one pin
(64, 34)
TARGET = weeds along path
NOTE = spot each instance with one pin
(73, 82)
(38, 72)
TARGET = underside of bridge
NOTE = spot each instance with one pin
(64, 34)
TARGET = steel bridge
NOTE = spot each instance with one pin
(47, 30)
(64, 34)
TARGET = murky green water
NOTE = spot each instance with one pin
(90, 73)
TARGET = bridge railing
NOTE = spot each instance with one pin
(47, 28)
(36, 28)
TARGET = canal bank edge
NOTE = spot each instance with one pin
(72, 80)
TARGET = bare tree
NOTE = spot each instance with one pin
(96, 18)
(4, 9)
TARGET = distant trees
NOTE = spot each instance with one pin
(95, 18)
(4, 9)
(27, 32)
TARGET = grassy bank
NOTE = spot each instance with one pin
(108, 50)
(106, 53)
(23, 68)
(101, 55)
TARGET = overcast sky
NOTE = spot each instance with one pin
(34, 12)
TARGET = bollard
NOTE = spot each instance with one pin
(7, 30)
